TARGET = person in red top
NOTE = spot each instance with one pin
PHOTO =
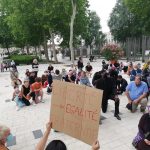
(37, 88)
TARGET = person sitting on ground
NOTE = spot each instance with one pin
(130, 68)
(134, 72)
(136, 93)
(107, 84)
(32, 78)
(17, 97)
(37, 88)
(104, 65)
(63, 73)
(27, 93)
(45, 79)
(50, 68)
(146, 73)
(96, 77)
(27, 73)
(70, 77)
(89, 69)
(5, 136)
(84, 80)
(57, 75)
(56, 144)
(78, 76)
(14, 78)
(121, 84)
(50, 81)
(142, 140)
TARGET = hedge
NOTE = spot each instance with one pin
(23, 59)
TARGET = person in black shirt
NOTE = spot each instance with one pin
(142, 140)
(32, 78)
(80, 64)
(50, 68)
(70, 77)
(107, 84)
(88, 69)
(121, 85)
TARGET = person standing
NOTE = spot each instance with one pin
(35, 67)
(84, 80)
(80, 64)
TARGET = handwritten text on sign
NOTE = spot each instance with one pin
(75, 110)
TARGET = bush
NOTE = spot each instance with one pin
(23, 59)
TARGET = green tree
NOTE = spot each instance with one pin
(93, 34)
(123, 23)
(141, 8)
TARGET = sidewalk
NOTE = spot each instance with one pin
(28, 124)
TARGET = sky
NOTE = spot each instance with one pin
(103, 8)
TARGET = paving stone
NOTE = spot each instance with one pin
(7, 100)
(37, 134)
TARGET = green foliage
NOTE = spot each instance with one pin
(23, 59)
(141, 8)
(123, 23)
(93, 32)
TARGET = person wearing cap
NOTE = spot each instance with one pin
(5, 136)
(142, 140)
(89, 69)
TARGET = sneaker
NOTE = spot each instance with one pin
(17, 108)
(33, 103)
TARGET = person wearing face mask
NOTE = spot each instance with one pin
(5, 137)
(142, 140)
(136, 93)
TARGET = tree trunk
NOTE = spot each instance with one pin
(53, 47)
(74, 9)
(45, 47)
(27, 49)
(35, 48)
(39, 50)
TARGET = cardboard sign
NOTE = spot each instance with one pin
(75, 110)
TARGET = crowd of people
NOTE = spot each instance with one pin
(109, 79)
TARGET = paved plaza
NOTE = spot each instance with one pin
(28, 124)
